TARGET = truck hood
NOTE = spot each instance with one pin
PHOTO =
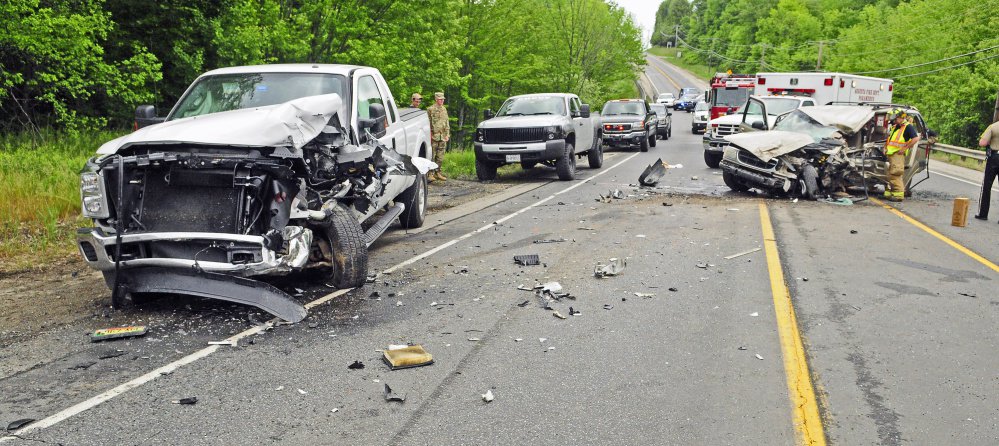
(847, 118)
(727, 119)
(621, 118)
(291, 124)
(769, 145)
(503, 122)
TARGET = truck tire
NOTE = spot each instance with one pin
(652, 140)
(415, 199)
(528, 165)
(810, 179)
(669, 131)
(566, 164)
(596, 155)
(485, 170)
(711, 159)
(644, 146)
(733, 183)
(349, 250)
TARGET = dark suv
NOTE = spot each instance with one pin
(629, 123)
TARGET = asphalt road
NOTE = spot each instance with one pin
(890, 336)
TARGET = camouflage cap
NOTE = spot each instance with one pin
(417, 96)
(439, 95)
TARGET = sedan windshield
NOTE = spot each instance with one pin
(624, 108)
(226, 92)
(532, 105)
(799, 122)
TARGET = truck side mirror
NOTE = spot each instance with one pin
(759, 125)
(488, 114)
(584, 111)
(375, 122)
(145, 115)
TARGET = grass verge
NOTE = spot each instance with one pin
(957, 161)
(39, 175)
(460, 164)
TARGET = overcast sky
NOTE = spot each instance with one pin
(644, 13)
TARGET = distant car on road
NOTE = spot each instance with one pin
(665, 118)
(687, 102)
(702, 112)
(629, 123)
(666, 98)
(689, 90)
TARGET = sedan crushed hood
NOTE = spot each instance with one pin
(769, 145)
(291, 124)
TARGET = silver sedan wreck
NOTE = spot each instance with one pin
(200, 204)
(821, 150)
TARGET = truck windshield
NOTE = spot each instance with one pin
(623, 108)
(660, 109)
(225, 92)
(535, 105)
(701, 106)
(779, 106)
(731, 96)
(799, 122)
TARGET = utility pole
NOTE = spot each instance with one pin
(818, 65)
(676, 35)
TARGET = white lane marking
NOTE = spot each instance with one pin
(203, 353)
(962, 180)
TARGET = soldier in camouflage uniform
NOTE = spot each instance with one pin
(440, 133)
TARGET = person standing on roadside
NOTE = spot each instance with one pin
(902, 136)
(416, 100)
(989, 140)
(440, 134)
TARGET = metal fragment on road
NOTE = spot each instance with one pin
(645, 295)
(301, 392)
(523, 287)
(759, 357)
(527, 260)
(612, 268)
(608, 307)
(187, 401)
(653, 173)
(702, 265)
(556, 240)
(356, 365)
(392, 396)
(225, 342)
(558, 315)
(742, 253)
(17, 424)
(524, 303)
(488, 396)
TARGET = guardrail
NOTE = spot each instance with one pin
(963, 152)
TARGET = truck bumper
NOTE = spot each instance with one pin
(518, 152)
(241, 255)
(714, 145)
(623, 139)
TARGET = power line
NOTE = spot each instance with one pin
(947, 68)
(929, 63)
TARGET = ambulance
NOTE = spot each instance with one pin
(826, 88)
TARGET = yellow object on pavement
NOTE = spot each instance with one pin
(409, 356)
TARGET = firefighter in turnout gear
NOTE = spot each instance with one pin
(902, 136)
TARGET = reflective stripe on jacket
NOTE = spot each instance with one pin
(897, 140)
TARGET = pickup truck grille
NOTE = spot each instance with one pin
(617, 128)
(750, 160)
(726, 129)
(527, 134)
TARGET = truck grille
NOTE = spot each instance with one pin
(189, 206)
(726, 129)
(748, 159)
(528, 134)
(617, 128)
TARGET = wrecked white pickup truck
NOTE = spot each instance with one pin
(256, 171)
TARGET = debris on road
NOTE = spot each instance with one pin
(105, 334)
(461, 270)
(391, 396)
(653, 173)
(853, 231)
(759, 357)
(524, 303)
(186, 401)
(742, 253)
(474, 339)
(558, 315)
(550, 287)
(302, 392)
(608, 307)
(111, 354)
(702, 265)
(645, 295)
(523, 287)
(673, 289)
(278, 388)
(837, 201)
(407, 357)
(356, 365)
(225, 342)
(527, 260)
(742, 347)
(555, 240)
(15, 425)
(583, 228)
(82, 366)
(488, 396)
(612, 268)
(574, 312)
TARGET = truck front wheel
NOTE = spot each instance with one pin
(733, 183)
(711, 159)
(566, 164)
(652, 139)
(644, 145)
(415, 199)
(349, 250)
(484, 169)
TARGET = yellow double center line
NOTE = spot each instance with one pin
(804, 404)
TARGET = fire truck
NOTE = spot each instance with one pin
(729, 91)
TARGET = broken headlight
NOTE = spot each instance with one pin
(553, 132)
(92, 195)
